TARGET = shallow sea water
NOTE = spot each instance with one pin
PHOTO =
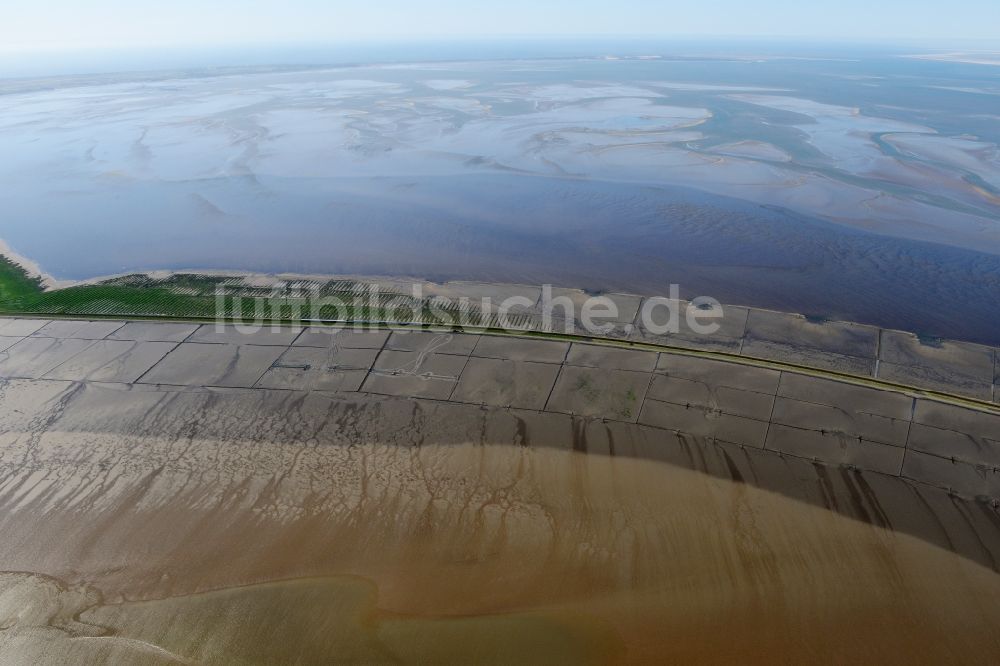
(497, 555)
(863, 186)
(155, 525)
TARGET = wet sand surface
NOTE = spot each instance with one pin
(146, 525)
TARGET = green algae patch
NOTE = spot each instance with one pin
(15, 283)
(196, 296)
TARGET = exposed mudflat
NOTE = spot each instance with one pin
(232, 526)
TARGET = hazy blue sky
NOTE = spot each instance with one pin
(72, 23)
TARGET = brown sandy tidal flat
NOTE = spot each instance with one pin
(154, 526)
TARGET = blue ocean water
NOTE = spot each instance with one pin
(838, 181)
